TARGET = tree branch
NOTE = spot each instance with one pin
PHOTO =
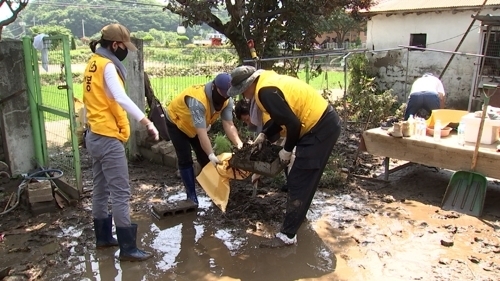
(21, 5)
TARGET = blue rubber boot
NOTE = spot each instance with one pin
(103, 234)
(127, 238)
(187, 176)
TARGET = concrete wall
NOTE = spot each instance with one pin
(15, 117)
(391, 70)
(444, 31)
(135, 90)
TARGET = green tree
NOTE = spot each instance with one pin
(148, 39)
(267, 22)
(14, 7)
(340, 22)
(51, 30)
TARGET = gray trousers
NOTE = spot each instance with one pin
(110, 176)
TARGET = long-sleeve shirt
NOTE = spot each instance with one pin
(274, 103)
(116, 91)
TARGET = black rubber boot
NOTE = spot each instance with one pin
(187, 176)
(103, 235)
(128, 248)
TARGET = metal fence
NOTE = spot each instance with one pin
(53, 107)
(171, 70)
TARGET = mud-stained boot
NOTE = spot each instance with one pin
(127, 239)
(187, 176)
(103, 233)
(279, 241)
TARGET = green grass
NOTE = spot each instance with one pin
(167, 88)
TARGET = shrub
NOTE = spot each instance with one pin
(222, 144)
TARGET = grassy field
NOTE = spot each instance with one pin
(168, 87)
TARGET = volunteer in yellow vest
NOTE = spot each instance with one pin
(107, 105)
(312, 127)
(189, 115)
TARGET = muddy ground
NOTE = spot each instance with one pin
(362, 230)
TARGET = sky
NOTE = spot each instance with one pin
(4, 12)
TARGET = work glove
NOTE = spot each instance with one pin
(214, 159)
(285, 156)
(240, 145)
(152, 131)
(208, 128)
(255, 178)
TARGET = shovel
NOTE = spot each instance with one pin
(466, 191)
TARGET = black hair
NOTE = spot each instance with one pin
(242, 107)
(103, 42)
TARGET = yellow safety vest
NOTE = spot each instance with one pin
(180, 114)
(306, 103)
(104, 115)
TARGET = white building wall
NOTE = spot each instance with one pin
(444, 31)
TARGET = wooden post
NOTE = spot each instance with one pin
(135, 90)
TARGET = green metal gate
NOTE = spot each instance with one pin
(52, 106)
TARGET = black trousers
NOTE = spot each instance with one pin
(311, 156)
(422, 100)
(182, 145)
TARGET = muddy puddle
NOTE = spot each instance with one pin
(186, 248)
(370, 231)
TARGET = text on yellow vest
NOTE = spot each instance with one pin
(180, 114)
(104, 115)
(306, 103)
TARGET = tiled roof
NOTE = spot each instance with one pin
(382, 6)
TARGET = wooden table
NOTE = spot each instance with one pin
(445, 154)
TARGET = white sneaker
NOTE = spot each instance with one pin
(285, 239)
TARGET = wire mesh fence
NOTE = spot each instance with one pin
(171, 70)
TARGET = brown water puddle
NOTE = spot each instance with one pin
(187, 250)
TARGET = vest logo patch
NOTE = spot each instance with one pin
(93, 67)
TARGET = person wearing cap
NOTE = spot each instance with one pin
(312, 127)
(189, 115)
(106, 106)
(427, 92)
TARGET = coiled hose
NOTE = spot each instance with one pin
(48, 174)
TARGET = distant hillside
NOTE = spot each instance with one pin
(87, 17)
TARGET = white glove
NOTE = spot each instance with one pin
(255, 178)
(214, 159)
(209, 127)
(152, 131)
(240, 145)
(285, 156)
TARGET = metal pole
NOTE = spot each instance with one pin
(406, 77)
(462, 40)
(448, 52)
(29, 65)
(71, 111)
(327, 54)
(488, 33)
(344, 98)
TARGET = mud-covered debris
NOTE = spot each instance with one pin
(447, 242)
(4, 272)
(474, 259)
(478, 239)
(444, 261)
(388, 199)
(268, 153)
